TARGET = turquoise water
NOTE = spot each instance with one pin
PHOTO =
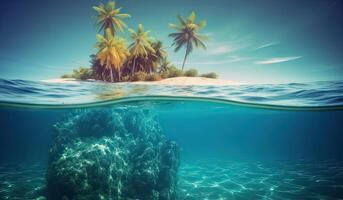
(322, 93)
(211, 148)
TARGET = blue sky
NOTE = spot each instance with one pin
(263, 41)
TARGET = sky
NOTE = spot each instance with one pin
(262, 41)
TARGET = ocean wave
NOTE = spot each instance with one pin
(315, 94)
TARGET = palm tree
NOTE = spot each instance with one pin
(141, 46)
(165, 64)
(187, 35)
(110, 17)
(160, 52)
(155, 58)
(95, 67)
(112, 53)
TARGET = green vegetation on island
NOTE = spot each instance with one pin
(144, 59)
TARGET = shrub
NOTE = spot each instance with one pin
(210, 75)
(139, 76)
(191, 73)
(153, 77)
(164, 74)
(125, 78)
(82, 73)
(66, 76)
(174, 72)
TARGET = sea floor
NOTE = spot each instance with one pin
(214, 179)
(22, 181)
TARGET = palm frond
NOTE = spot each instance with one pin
(191, 18)
(202, 24)
(111, 5)
(182, 20)
(99, 9)
(123, 16)
(110, 17)
(174, 26)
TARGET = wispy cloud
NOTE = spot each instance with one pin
(209, 34)
(277, 60)
(216, 46)
(230, 59)
(266, 45)
(236, 58)
(219, 50)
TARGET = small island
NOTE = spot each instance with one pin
(144, 59)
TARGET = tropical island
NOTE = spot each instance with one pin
(144, 59)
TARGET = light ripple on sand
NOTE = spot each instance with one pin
(215, 179)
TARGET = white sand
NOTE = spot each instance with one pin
(188, 81)
(62, 80)
(169, 81)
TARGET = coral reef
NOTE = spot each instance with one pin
(112, 154)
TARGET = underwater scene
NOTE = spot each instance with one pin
(169, 147)
(171, 100)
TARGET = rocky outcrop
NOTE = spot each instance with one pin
(112, 154)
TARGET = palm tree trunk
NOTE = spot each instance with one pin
(186, 55)
(111, 71)
(133, 66)
(119, 75)
(184, 61)
(102, 76)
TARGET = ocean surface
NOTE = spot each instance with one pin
(274, 141)
(321, 93)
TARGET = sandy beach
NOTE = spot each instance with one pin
(62, 80)
(168, 81)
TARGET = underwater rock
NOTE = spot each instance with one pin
(112, 154)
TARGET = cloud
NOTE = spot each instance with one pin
(219, 50)
(277, 60)
(230, 59)
(215, 48)
(234, 58)
(208, 34)
(266, 45)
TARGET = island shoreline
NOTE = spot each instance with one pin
(176, 81)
